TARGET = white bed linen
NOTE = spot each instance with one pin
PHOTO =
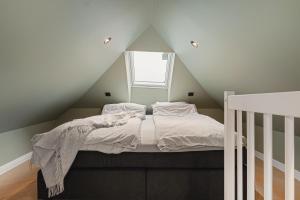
(173, 109)
(124, 107)
(115, 139)
(147, 139)
(192, 131)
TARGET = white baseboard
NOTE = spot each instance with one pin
(278, 165)
(14, 163)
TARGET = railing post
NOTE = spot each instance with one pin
(229, 150)
(289, 159)
(250, 156)
(239, 155)
(268, 168)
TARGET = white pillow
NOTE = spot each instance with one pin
(124, 107)
(170, 103)
(174, 109)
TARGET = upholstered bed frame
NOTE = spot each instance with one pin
(143, 176)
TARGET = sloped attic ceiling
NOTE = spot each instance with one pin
(246, 46)
(52, 51)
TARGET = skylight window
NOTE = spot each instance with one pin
(150, 69)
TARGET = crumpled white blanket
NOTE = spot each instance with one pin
(55, 151)
(190, 131)
(115, 140)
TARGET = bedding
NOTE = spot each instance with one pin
(179, 127)
(191, 131)
(149, 140)
(145, 132)
(115, 139)
(124, 107)
(55, 151)
(173, 109)
(169, 103)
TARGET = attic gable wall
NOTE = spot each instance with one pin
(114, 80)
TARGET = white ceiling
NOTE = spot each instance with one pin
(52, 51)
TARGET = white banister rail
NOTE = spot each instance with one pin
(285, 104)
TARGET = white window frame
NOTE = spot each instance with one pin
(129, 57)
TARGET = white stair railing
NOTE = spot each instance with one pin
(285, 104)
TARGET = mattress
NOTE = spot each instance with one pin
(148, 142)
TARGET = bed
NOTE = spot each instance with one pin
(146, 173)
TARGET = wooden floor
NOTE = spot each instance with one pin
(278, 182)
(20, 183)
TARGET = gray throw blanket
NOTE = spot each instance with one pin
(55, 151)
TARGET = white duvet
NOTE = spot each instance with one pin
(190, 131)
(115, 139)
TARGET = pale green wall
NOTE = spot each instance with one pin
(52, 52)
(77, 113)
(216, 113)
(184, 82)
(16, 143)
(114, 80)
(148, 96)
(244, 46)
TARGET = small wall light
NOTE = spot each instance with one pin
(195, 43)
(107, 40)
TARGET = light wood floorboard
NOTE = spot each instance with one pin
(278, 182)
(19, 183)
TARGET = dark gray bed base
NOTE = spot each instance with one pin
(159, 176)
